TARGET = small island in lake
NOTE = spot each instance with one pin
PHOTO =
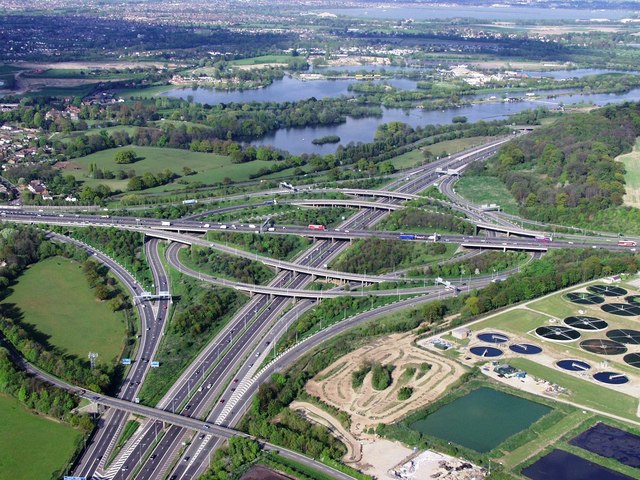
(327, 139)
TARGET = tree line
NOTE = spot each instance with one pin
(38, 396)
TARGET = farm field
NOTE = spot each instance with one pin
(487, 190)
(42, 294)
(209, 168)
(32, 446)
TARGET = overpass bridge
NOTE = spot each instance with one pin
(271, 262)
(506, 229)
(505, 246)
(346, 203)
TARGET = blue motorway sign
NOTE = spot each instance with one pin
(155, 364)
(126, 361)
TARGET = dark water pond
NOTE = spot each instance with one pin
(561, 465)
(610, 442)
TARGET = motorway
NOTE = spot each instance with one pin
(151, 328)
(218, 362)
(211, 376)
(190, 467)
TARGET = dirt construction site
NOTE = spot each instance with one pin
(368, 407)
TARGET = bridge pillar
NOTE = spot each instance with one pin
(271, 296)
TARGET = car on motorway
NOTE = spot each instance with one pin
(222, 400)
(153, 456)
(186, 459)
(206, 426)
(235, 380)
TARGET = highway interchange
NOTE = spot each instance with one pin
(218, 385)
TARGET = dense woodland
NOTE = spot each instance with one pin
(125, 246)
(237, 268)
(419, 218)
(375, 256)
(566, 172)
(281, 247)
(38, 396)
(488, 262)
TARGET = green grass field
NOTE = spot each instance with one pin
(583, 392)
(79, 91)
(55, 299)
(631, 162)
(84, 73)
(546, 437)
(32, 446)
(518, 320)
(262, 59)
(486, 190)
(7, 69)
(210, 168)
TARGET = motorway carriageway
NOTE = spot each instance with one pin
(188, 471)
(417, 183)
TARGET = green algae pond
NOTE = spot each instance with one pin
(482, 419)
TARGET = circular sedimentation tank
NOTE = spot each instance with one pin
(493, 337)
(603, 346)
(558, 333)
(573, 365)
(581, 322)
(525, 348)
(611, 378)
(486, 352)
(584, 298)
(607, 290)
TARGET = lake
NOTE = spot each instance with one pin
(289, 89)
(482, 13)
(482, 419)
(298, 140)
